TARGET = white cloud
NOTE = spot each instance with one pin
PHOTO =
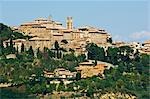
(140, 35)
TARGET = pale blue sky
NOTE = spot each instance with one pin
(126, 20)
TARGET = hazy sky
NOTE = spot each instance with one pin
(127, 20)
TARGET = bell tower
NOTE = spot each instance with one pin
(69, 23)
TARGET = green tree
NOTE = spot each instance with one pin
(45, 53)
(90, 92)
(51, 54)
(113, 55)
(70, 57)
(17, 50)
(109, 40)
(11, 47)
(95, 52)
(1, 47)
(5, 32)
(56, 45)
(142, 66)
(125, 52)
(39, 54)
(30, 53)
(81, 58)
(95, 63)
(78, 76)
(61, 86)
(120, 84)
(64, 41)
(22, 47)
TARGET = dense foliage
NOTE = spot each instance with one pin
(130, 78)
(95, 52)
(6, 33)
(130, 74)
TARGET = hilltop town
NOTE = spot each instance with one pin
(45, 32)
(44, 59)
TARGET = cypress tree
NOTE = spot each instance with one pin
(57, 48)
(22, 47)
(11, 49)
(1, 47)
(39, 54)
(17, 50)
(30, 52)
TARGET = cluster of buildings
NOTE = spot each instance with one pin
(86, 69)
(142, 48)
(60, 74)
(145, 47)
(89, 68)
(46, 31)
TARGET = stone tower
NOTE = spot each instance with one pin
(69, 23)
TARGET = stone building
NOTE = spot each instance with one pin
(146, 47)
(17, 43)
(94, 35)
(60, 73)
(89, 69)
(46, 31)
